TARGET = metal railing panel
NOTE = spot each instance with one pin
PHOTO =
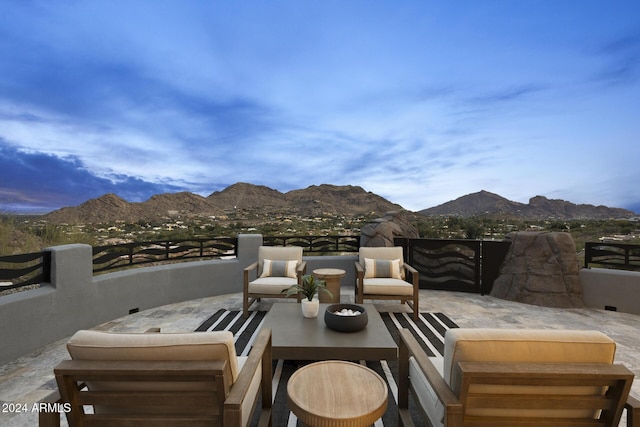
(446, 264)
(612, 255)
(317, 244)
(113, 257)
(22, 270)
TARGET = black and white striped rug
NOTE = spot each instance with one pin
(429, 331)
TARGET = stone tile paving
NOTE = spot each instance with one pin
(30, 378)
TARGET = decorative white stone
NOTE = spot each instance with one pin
(347, 312)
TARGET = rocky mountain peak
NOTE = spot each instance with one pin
(245, 196)
(539, 207)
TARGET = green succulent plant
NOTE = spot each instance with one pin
(309, 288)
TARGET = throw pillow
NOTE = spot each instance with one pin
(382, 268)
(271, 268)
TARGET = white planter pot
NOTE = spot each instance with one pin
(310, 309)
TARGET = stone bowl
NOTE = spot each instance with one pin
(344, 323)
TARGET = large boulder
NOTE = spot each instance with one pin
(540, 268)
(382, 231)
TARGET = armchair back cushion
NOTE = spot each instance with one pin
(278, 253)
(529, 346)
(273, 268)
(382, 268)
(381, 253)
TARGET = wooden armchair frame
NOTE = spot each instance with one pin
(215, 400)
(248, 297)
(616, 378)
(412, 301)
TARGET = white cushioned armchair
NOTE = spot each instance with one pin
(277, 268)
(509, 377)
(163, 379)
(381, 273)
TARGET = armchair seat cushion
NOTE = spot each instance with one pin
(271, 285)
(99, 345)
(387, 286)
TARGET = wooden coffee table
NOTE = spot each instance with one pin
(294, 337)
(337, 393)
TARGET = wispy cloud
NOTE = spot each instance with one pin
(622, 60)
(505, 95)
(418, 102)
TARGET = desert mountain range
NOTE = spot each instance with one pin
(539, 207)
(347, 200)
(325, 198)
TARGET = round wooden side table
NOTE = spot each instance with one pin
(332, 276)
(335, 393)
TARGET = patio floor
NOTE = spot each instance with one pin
(30, 378)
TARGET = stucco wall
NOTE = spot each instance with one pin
(611, 289)
(75, 299)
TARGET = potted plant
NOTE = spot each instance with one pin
(309, 287)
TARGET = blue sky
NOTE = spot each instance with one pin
(420, 102)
